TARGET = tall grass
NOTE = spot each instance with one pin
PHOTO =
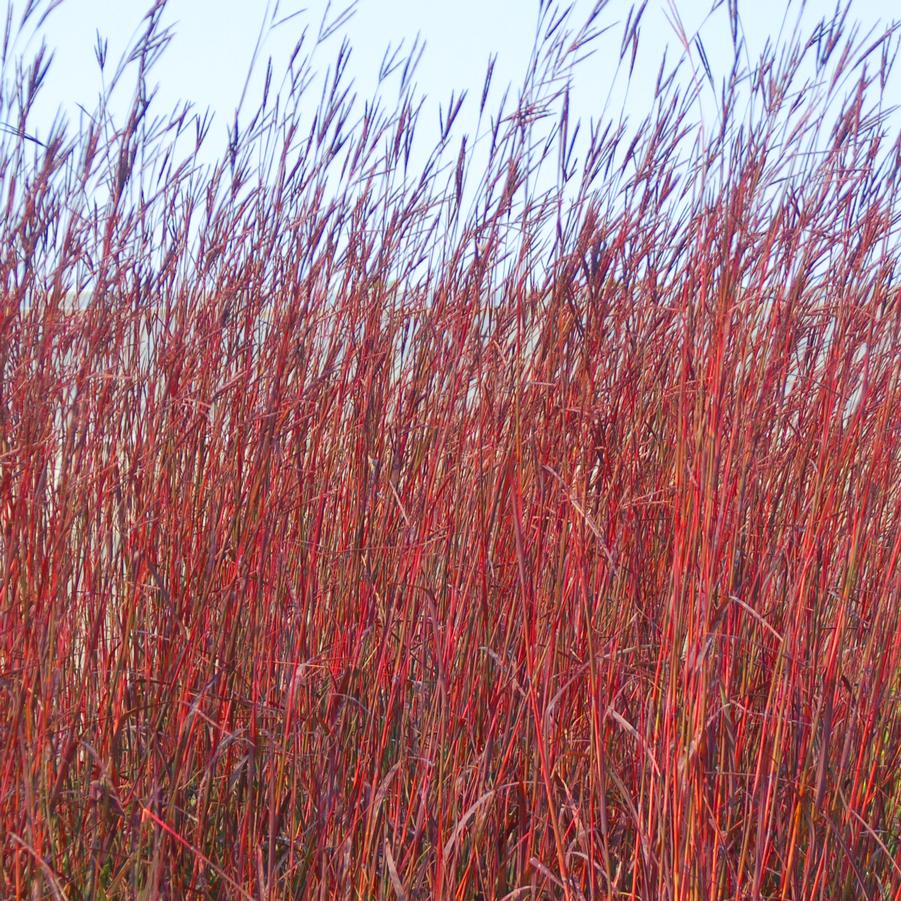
(522, 522)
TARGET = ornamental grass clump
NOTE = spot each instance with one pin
(515, 519)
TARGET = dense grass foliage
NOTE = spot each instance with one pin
(520, 523)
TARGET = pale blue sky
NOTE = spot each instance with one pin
(214, 41)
